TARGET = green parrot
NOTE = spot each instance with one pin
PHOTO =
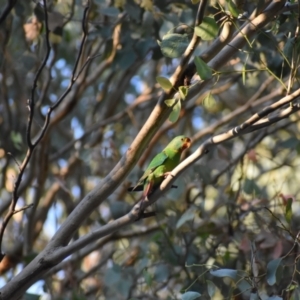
(161, 166)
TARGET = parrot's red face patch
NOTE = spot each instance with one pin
(186, 143)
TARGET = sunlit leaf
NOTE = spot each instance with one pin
(272, 269)
(170, 102)
(203, 70)
(233, 8)
(208, 29)
(195, 1)
(209, 102)
(183, 91)
(174, 115)
(164, 82)
(190, 295)
(225, 273)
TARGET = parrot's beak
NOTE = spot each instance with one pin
(187, 143)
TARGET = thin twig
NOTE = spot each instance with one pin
(31, 146)
(23, 208)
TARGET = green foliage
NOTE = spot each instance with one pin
(232, 8)
(208, 29)
(203, 70)
(183, 91)
(288, 210)
(272, 269)
(189, 215)
(164, 83)
(173, 45)
(174, 115)
(190, 295)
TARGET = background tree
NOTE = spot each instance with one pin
(89, 90)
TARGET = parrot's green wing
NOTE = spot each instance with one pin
(162, 164)
(157, 161)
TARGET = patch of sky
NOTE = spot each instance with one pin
(197, 119)
(65, 83)
(51, 224)
(44, 109)
(137, 83)
(38, 289)
(129, 98)
(53, 73)
(61, 274)
(62, 163)
(67, 72)
(75, 190)
(77, 128)
(124, 148)
(53, 98)
(60, 64)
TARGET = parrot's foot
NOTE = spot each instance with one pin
(167, 174)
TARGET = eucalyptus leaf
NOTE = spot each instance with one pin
(187, 216)
(183, 91)
(170, 102)
(203, 70)
(272, 269)
(174, 115)
(288, 210)
(173, 45)
(164, 82)
(225, 273)
(211, 288)
(233, 8)
(208, 29)
(190, 295)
